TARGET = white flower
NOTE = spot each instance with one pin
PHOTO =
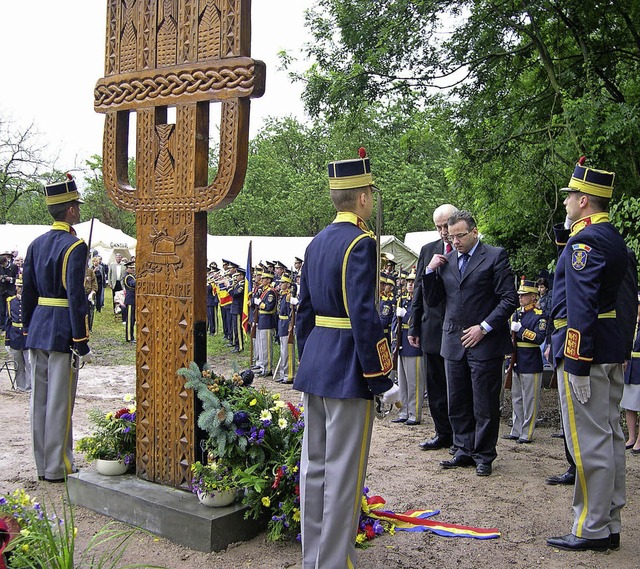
(265, 415)
(282, 423)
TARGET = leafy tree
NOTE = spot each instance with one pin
(531, 87)
(22, 170)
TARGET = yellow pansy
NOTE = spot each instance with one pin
(253, 402)
(109, 416)
(361, 538)
(276, 396)
(296, 515)
(266, 502)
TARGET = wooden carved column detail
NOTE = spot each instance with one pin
(185, 54)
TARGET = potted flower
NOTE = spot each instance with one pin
(214, 484)
(113, 441)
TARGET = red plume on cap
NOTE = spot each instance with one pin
(362, 152)
(69, 176)
(582, 160)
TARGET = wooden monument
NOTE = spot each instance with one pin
(184, 54)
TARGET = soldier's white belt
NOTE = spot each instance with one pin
(562, 322)
(44, 301)
(333, 322)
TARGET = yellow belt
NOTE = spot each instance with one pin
(16, 324)
(283, 317)
(635, 354)
(267, 311)
(562, 322)
(333, 322)
(44, 301)
(405, 326)
(526, 345)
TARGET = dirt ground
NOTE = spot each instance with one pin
(514, 499)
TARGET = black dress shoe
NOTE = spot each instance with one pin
(509, 437)
(614, 541)
(483, 469)
(411, 423)
(458, 462)
(435, 443)
(524, 441)
(567, 478)
(573, 543)
(558, 435)
(453, 449)
(399, 420)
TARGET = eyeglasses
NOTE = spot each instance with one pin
(458, 236)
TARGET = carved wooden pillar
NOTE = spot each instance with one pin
(183, 54)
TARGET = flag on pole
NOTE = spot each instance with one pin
(248, 287)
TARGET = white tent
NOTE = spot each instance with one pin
(19, 237)
(236, 247)
(106, 240)
(417, 239)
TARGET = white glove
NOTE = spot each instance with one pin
(400, 312)
(256, 301)
(392, 396)
(294, 301)
(567, 223)
(87, 358)
(581, 387)
(8, 349)
(515, 326)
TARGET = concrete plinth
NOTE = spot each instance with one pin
(173, 514)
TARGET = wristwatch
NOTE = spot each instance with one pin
(484, 330)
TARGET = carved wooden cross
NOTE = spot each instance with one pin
(183, 54)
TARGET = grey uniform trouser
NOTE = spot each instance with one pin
(333, 466)
(286, 367)
(412, 379)
(525, 397)
(23, 369)
(596, 442)
(53, 394)
(265, 349)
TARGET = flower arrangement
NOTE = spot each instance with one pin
(114, 436)
(212, 478)
(257, 437)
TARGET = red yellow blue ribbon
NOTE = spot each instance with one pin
(417, 520)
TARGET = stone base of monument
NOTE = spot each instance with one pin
(173, 514)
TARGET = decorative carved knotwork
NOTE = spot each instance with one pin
(187, 54)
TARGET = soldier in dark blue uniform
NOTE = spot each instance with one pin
(529, 326)
(588, 349)
(344, 362)
(412, 374)
(267, 304)
(286, 369)
(55, 322)
(212, 304)
(129, 285)
(237, 293)
(15, 339)
(387, 304)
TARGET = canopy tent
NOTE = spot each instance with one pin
(417, 239)
(19, 237)
(106, 240)
(402, 255)
(235, 248)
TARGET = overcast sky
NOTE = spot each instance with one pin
(53, 54)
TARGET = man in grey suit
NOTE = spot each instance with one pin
(477, 285)
(425, 331)
(117, 271)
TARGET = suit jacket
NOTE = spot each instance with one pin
(486, 293)
(112, 278)
(426, 321)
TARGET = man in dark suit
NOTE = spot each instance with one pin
(476, 283)
(425, 332)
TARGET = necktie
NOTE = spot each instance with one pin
(464, 261)
(448, 248)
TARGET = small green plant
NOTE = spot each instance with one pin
(114, 436)
(38, 539)
(212, 478)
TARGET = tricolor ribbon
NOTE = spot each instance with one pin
(417, 520)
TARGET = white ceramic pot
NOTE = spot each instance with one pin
(111, 467)
(217, 499)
